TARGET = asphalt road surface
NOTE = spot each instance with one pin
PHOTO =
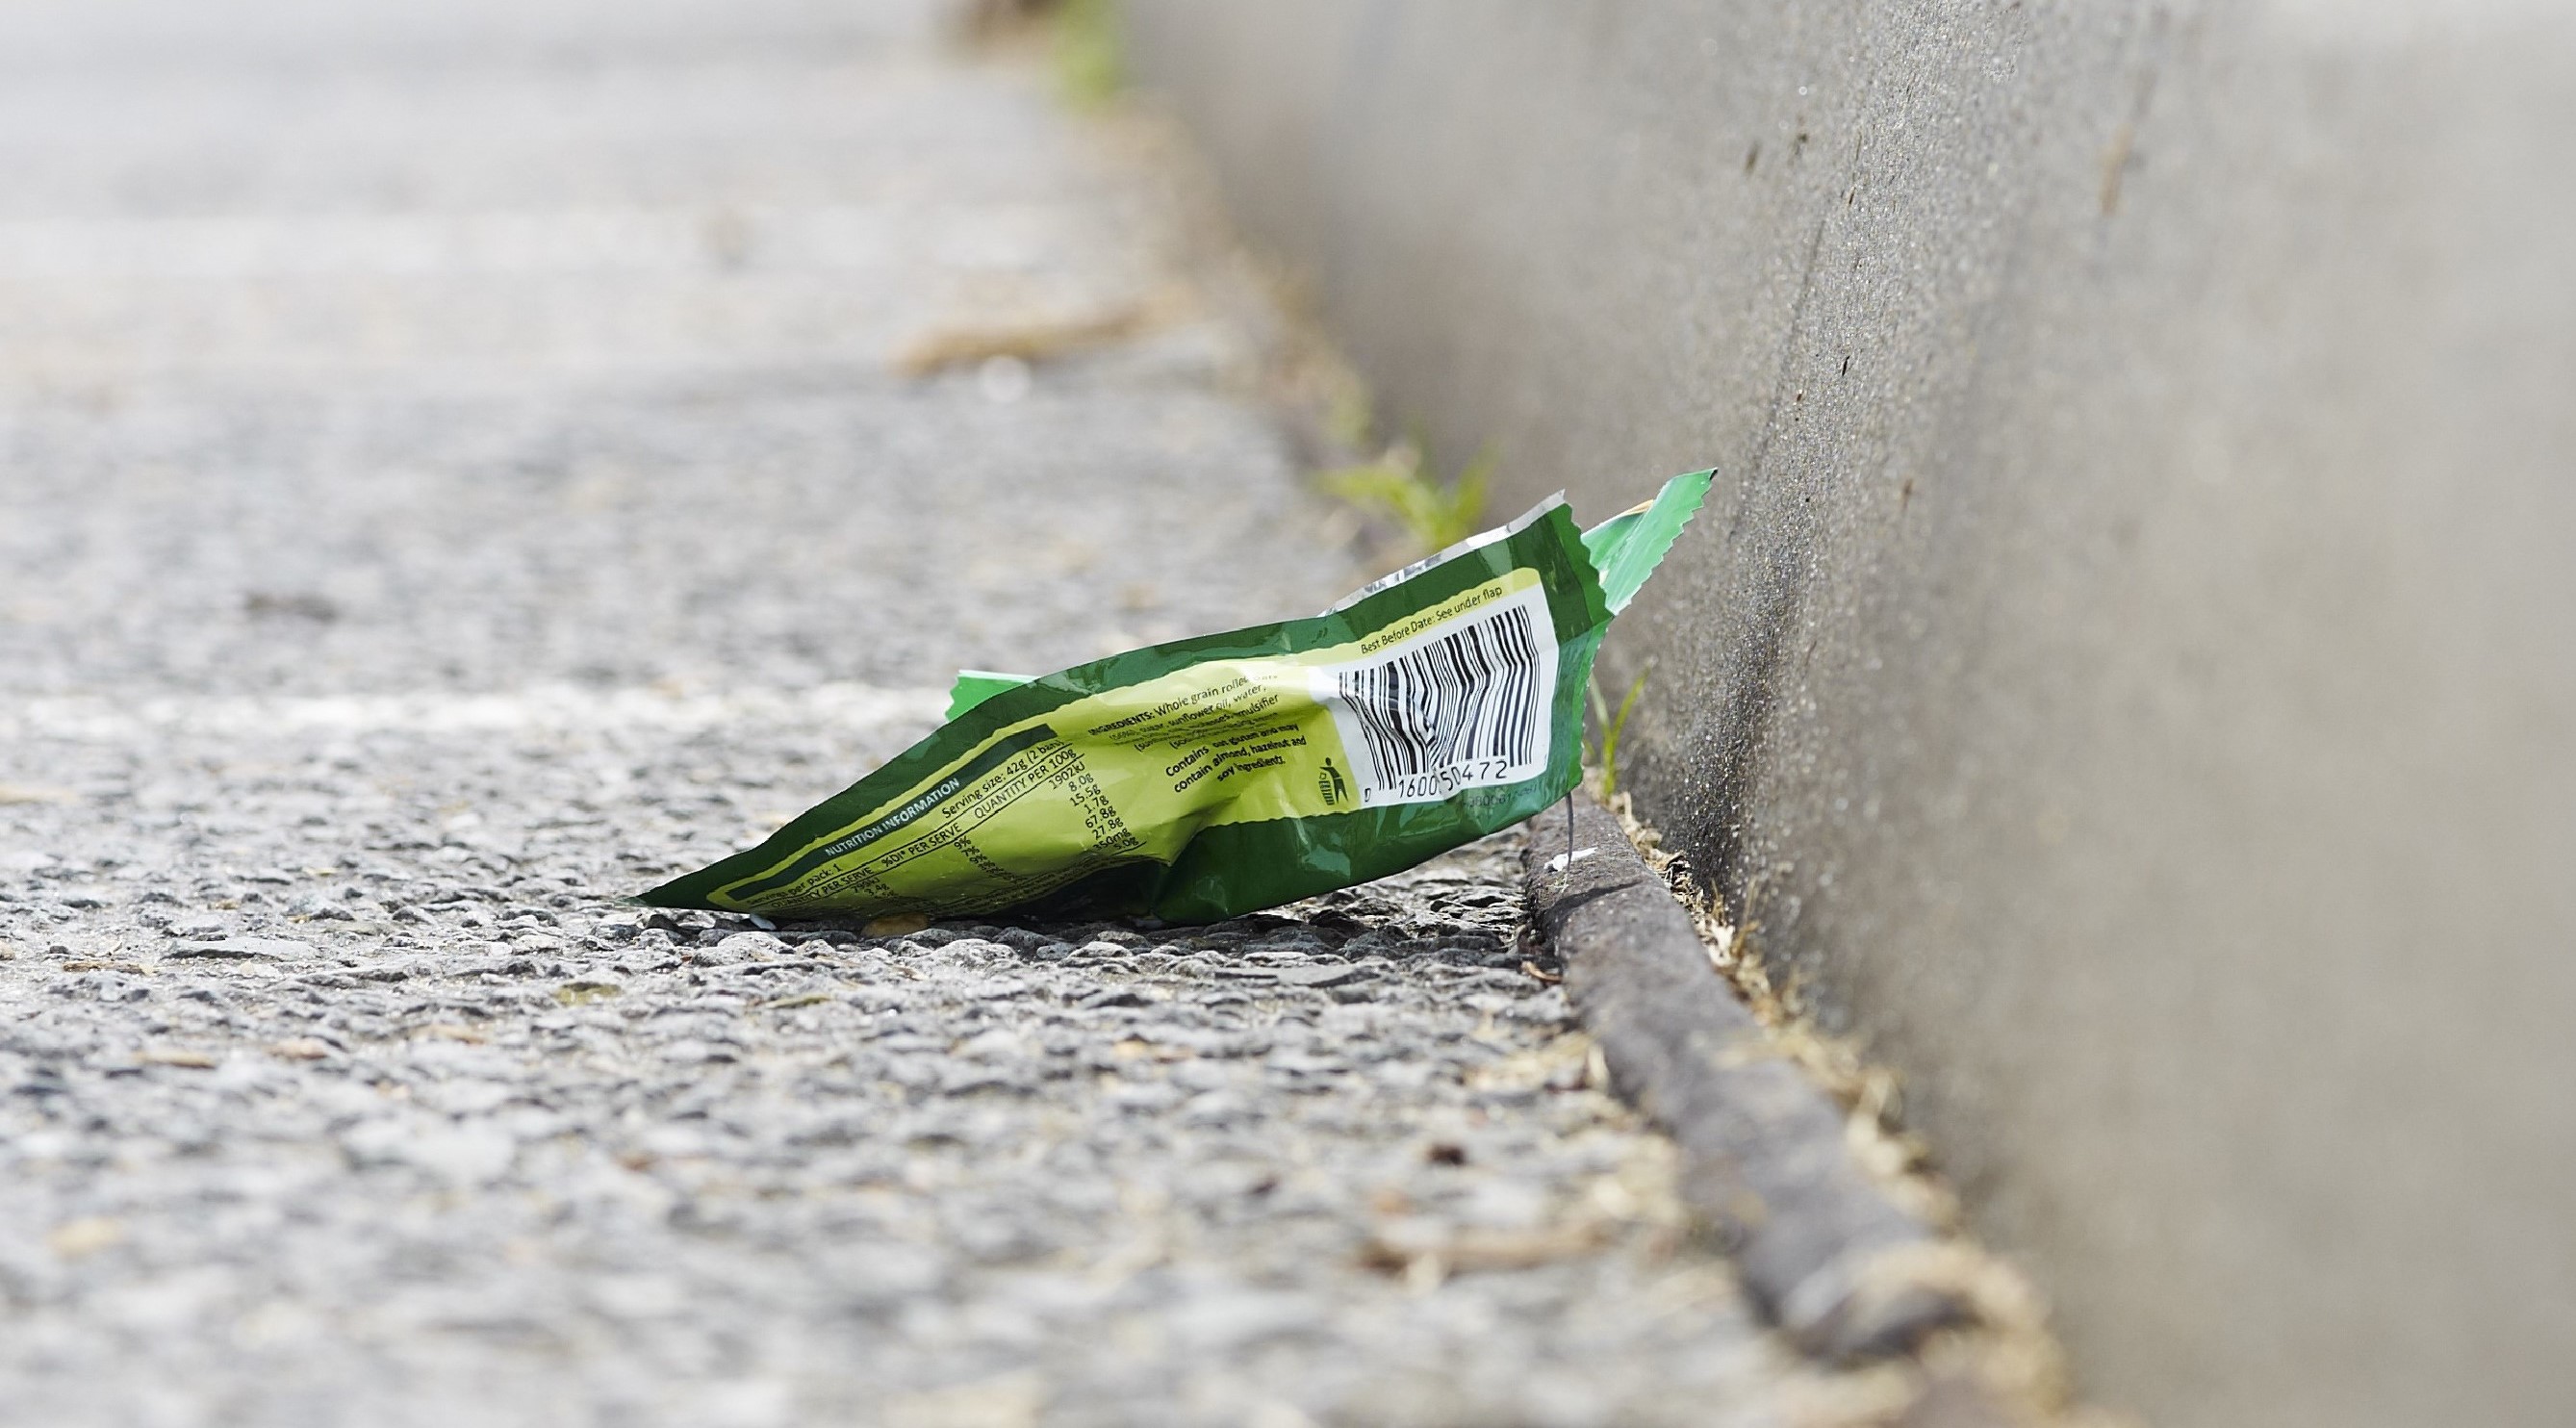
(458, 465)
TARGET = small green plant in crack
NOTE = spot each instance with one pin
(1399, 487)
(1090, 52)
(1613, 725)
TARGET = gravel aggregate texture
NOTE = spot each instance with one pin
(454, 470)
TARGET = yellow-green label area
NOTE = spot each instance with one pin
(1450, 697)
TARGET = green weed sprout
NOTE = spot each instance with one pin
(1612, 726)
(1399, 487)
(1090, 52)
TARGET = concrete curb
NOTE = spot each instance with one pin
(1764, 1159)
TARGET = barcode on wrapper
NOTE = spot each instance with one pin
(1464, 704)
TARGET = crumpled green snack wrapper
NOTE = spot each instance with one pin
(1215, 776)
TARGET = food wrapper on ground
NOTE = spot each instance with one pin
(1219, 775)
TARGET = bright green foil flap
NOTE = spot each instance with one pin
(1215, 776)
(974, 686)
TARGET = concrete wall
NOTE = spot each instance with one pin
(2129, 667)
